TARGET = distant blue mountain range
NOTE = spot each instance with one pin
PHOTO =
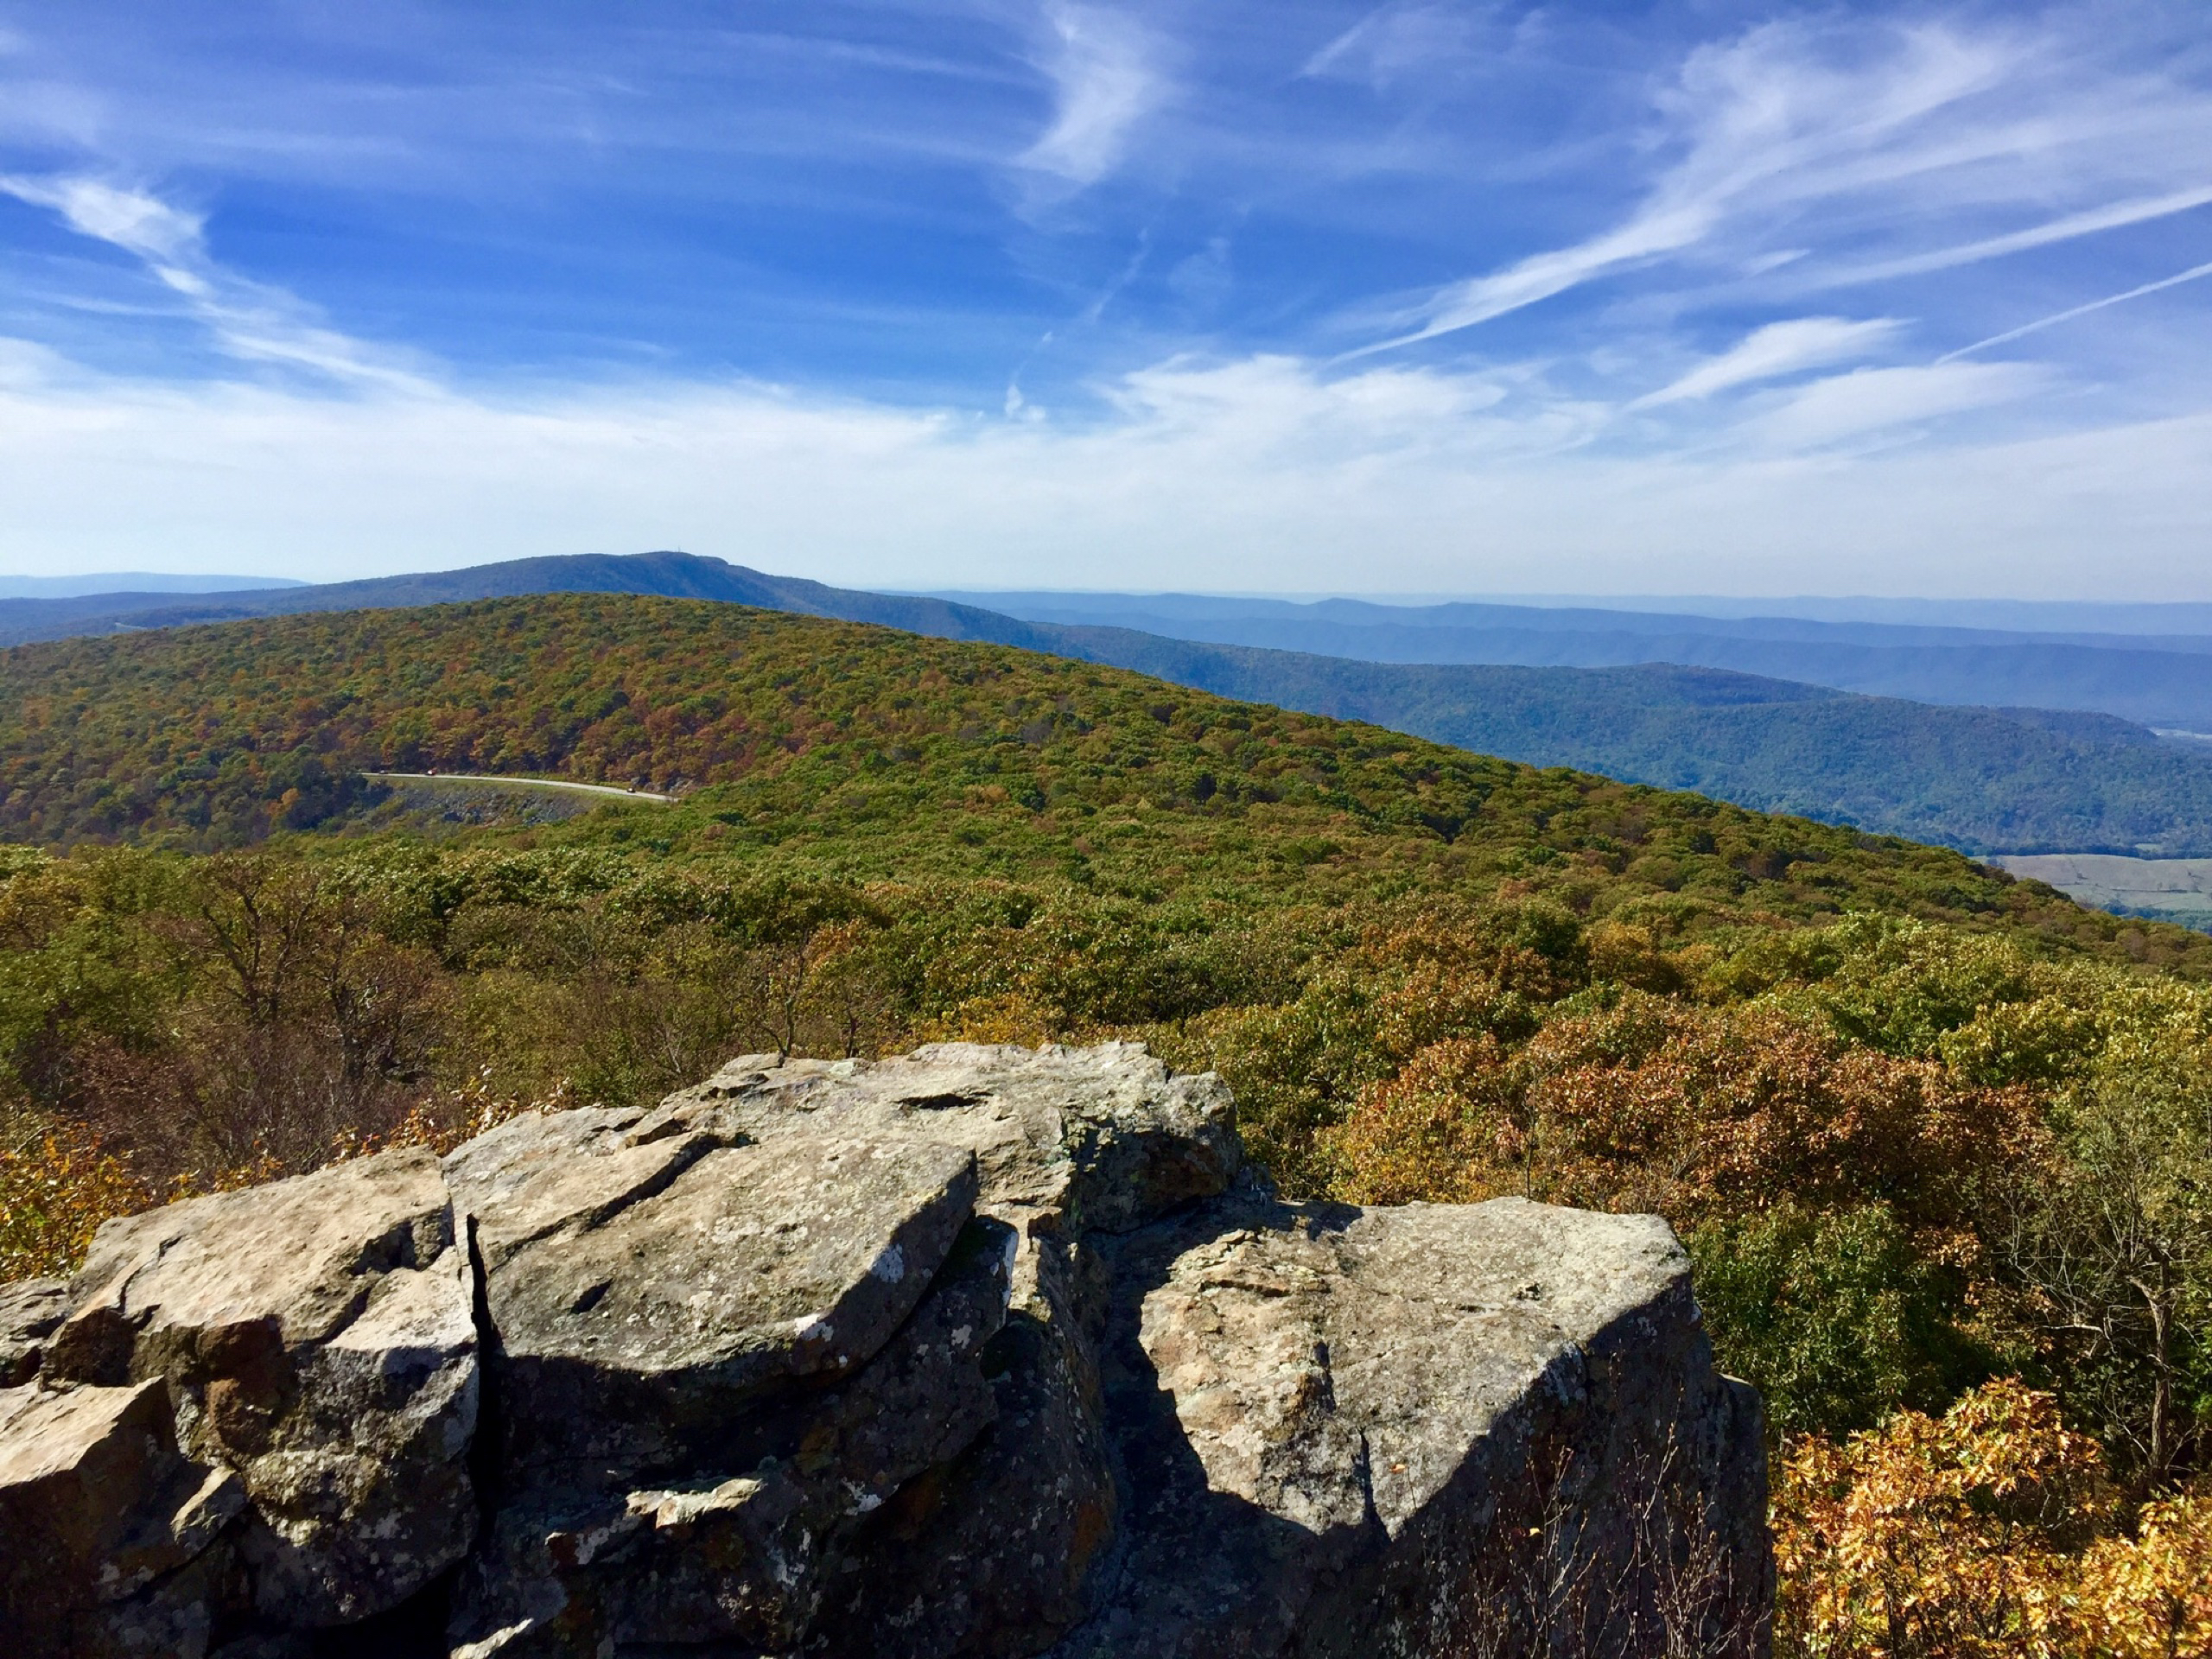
(132, 582)
(2162, 680)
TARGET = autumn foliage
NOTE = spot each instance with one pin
(57, 1185)
(1991, 1532)
(1920, 1126)
(1691, 1112)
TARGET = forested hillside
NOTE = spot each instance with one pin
(2156, 679)
(1924, 1127)
(1984, 780)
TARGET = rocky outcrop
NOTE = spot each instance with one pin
(317, 1338)
(976, 1351)
(31, 1311)
(1438, 1429)
(97, 1505)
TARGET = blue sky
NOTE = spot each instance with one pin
(1421, 297)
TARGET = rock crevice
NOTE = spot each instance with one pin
(979, 1351)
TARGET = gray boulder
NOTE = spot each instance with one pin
(317, 1336)
(31, 1310)
(103, 1518)
(1427, 1430)
(979, 1351)
(643, 1291)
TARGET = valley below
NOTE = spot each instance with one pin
(2167, 889)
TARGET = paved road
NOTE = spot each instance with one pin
(615, 790)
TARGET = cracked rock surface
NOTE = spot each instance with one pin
(317, 1337)
(31, 1311)
(978, 1350)
(1357, 1431)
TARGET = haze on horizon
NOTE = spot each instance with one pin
(1434, 298)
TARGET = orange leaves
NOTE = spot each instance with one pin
(1446, 1130)
(2151, 1595)
(1693, 1112)
(55, 1191)
(1990, 1531)
(1005, 1017)
(443, 1124)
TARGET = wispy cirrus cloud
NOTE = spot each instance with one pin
(1761, 117)
(1104, 81)
(169, 237)
(1777, 349)
(2194, 274)
(2110, 217)
(1392, 43)
(247, 320)
(1855, 135)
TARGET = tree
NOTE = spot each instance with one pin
(2113, 1243)
(1989, 1533)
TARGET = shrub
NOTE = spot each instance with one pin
(57, 1186)
(1989, 1533)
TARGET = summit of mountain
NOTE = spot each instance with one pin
(667, 573)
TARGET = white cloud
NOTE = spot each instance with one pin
(1104, 82)
(249, 320)
(1760, 118)
(1778, 349)
(1268, 470)
(1275, 405)
(131, 219)
(1665, 228)
(1858, 133)
(1874, 400)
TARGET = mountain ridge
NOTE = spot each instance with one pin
(2152, 681)
(1447, 615)
(2155, 680)
(1986, 781)
(669, 574)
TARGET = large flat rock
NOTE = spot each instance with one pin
(318, 1337)
(1072, 1140)
(1353, 1431)
(643, 1291)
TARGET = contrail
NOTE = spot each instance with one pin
(2189, 275)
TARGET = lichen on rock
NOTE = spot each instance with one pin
(974, 1350)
